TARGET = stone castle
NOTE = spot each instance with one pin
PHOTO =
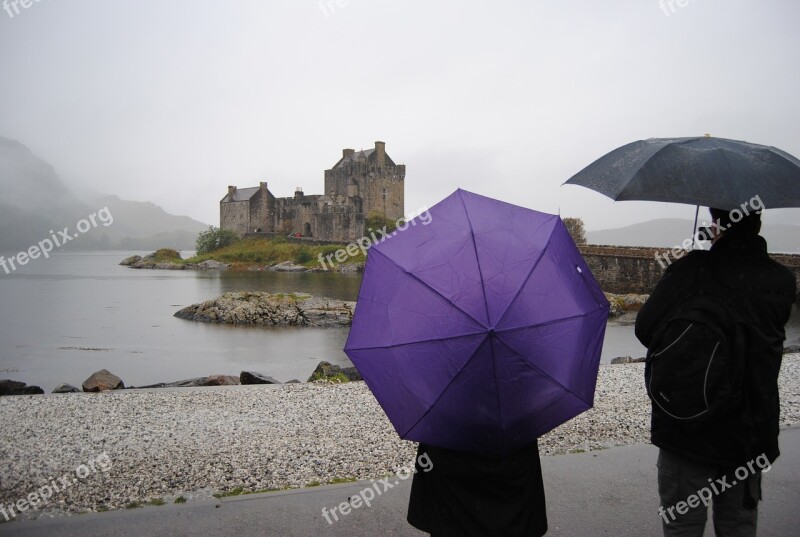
(360, 184)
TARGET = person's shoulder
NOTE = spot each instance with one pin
(693, 261)
(783, 277)
(780, 268)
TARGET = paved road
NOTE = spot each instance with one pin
(609, 492)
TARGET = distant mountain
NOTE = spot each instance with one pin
(34, 202)
(144, 225)
(670, 232)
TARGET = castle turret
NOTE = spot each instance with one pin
(373, 178)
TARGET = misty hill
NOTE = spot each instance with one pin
(144, 225)
(670, 232)
(34, 201)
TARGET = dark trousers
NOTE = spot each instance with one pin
(735, 508)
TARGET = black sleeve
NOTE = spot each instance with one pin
(675, 285)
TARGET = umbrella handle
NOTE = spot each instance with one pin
(694, 227)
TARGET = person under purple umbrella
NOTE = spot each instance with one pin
(478, 332)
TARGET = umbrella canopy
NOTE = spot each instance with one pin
(707, 171)
(480, 331)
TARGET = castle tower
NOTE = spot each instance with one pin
(372, 177)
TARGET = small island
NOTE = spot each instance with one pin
(259, 308)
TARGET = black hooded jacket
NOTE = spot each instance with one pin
(762, 291)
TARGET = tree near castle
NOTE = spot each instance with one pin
(214, 239)
(576, 229)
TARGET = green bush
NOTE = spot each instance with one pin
(214, 239)
(304, 255)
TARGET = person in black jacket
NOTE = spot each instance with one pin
(466, 495)
(706, 456)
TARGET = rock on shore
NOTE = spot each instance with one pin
(13, 387)
(258, 308)
(101, 381)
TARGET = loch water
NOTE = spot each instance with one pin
(65, 317)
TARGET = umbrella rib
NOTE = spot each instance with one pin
(441, 394)
(551, 321)
(396, 345)
(617, 196)
(557, 383)
(525, 280)
(477, 258)
(423, 282)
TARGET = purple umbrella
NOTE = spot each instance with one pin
(480, 331)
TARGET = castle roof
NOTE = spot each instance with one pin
(241, 194)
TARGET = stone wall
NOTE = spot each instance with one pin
(235, 216)
(318, 217)
(260, 205)
(628, 269)
(383, 193)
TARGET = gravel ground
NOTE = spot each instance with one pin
(160, 445)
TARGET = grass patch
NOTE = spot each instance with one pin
(180, 499)
(164, 255)
(338, 378)
(156, 501)
(262, 251)
(238, 491)
(313, 484)
(337, 480)
(133, 505)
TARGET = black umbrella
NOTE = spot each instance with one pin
(707, 171)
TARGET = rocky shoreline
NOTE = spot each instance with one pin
(259, 308)
(192, 443)
(104, 380)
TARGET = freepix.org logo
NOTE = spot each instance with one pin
(56, 240)
(12, 7)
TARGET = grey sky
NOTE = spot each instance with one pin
(172, 100)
